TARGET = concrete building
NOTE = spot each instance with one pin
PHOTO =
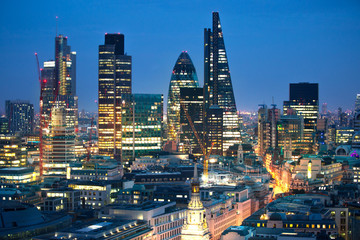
(164, 217)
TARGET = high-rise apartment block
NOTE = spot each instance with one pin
(304, 100)
(217, 83)
(142, 118)
(193, 102)
(183, 76)
(114, 81)
(21, 116)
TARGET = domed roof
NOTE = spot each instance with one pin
(299, 176)
(275, 217)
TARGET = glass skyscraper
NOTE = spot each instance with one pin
(304, 100)
(142, 118)
(193, 102)
(218, 88)
(114, 81)
(183, 76)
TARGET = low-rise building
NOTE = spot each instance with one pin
(95, 194)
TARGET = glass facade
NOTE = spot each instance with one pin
(59, 144)
(12, 153)
(114, 81)
(142, 128)
(183, 76)
(218, 88)
(21, 116)
(193, 102)
(304, 101)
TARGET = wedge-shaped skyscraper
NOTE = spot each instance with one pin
(183, 76)
(218, 88)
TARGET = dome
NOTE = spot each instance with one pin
(299, 176)
(275, 217)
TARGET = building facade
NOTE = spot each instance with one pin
(59, 144)
(193, 102)
(141, 125)
(114, 81)
(183, 76)
(304, 100)
(218, 88)
(12, 153)
(21, 116)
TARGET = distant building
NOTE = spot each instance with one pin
(114, 81)
(357, 102)
(12, 153)
(344, 135)
(183, 76)
(21, 116)
(304, 100)
(4, 125)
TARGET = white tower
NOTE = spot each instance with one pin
(195, 226)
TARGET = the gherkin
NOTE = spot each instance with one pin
(183, 76)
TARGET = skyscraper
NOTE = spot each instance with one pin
(59, 144)
(21, 116)
(304, 99)
(59, 83)
(183, 76)
(141, 125)
(114, 81)
(193, 102)
(217, 82)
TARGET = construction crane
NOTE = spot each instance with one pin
(206, 155)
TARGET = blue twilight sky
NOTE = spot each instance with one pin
(269, 45)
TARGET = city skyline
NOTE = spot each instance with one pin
(271, 45)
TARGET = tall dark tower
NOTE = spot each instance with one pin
(114, 80)
(217, 83)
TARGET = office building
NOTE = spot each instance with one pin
(218, 88)
(21, 116)
(357, 121)
(195, 226)
(214, 130)
(267, 128)
(59, 144)
(59, 83)
(12, 153)
(4, 125)
(357, 102)
(304, 100)
(183, 76)
(290, 130)
(18, 175)
(114, 81)
(141, 125)
(164, 218)
(193, 102)
(344, 135)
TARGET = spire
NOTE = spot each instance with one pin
(196, 178)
